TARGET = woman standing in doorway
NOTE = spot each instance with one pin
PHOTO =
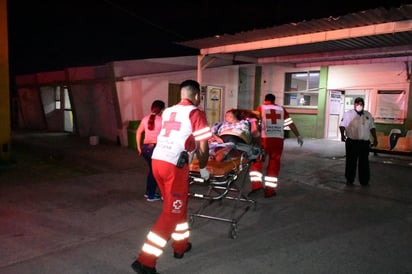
(150, 126)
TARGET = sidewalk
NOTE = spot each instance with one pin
(321, 163)
(69, 207)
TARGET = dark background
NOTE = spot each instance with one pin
(53, 35)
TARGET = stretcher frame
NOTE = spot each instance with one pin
(228, 186)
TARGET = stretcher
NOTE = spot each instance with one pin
(226, 182)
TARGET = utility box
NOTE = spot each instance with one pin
(131, 134)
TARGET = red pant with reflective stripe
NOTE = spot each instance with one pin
(273, 152)
(173, 183)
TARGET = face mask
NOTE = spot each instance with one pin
(359, 108)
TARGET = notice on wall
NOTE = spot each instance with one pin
(213, 104)
(335, 101)
(390, 107)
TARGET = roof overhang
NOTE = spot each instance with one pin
(381, 35)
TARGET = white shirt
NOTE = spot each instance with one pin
(357, 126)
(272, 121)
(176, 128)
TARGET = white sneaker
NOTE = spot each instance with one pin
(156, 197)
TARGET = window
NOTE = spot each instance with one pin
(301, 88)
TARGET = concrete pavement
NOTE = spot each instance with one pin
(69, 207)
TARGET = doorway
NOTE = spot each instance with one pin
(335, 111)
(338, 102)
(68, 113)
(57, 108)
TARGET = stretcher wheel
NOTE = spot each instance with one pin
(191, 221)
(233, 231)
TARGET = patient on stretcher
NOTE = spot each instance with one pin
(237, 135)
(233, 129)
(236, 129)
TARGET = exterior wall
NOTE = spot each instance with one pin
(368, 78)
(228, 78)
(94, 110)
(94, 101)
(306, 118)
(135, 98)
(136, 93)
(30, 103)
(246, 87)
(103, 103)
(371, 78)
(31, 109)
(91, 90)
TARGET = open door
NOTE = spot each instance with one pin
(335, 111)
(68, 113)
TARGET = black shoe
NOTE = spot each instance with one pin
(180, 255)
(364, 184)
(253, 192)
(349, 183)
(141, 269)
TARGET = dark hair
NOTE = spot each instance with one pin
(247, 113)
(236, 112)
(157, 107)
(270, 97)
(359, 100)
(192, 85)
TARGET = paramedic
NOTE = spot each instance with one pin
(356, 127)
(185, 130)
(274, 118)
(150, 126)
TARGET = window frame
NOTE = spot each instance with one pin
(305, 94)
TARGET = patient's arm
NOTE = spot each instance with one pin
(217, 139)
(202, 153)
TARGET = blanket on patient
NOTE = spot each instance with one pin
(226, 157)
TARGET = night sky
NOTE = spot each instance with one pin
(53, 35)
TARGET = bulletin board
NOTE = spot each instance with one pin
(390, 107)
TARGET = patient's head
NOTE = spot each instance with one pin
(232, 116)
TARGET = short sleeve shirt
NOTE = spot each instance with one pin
(182, 125)
(239, 127)
(150, 136)
(357, 126)
(273, 120)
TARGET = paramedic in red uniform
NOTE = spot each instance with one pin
(274, 118)
(184, 129)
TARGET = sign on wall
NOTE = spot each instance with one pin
(390, 106)
(335, 102)
(213, 104)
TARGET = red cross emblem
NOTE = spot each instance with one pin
(171, 124)
(273, 116)
(177, 204)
